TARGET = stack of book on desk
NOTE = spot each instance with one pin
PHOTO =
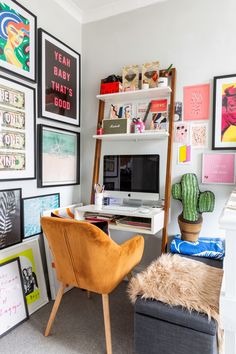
(143, 223)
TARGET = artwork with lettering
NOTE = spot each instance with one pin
(13, 309)
(17, 39)
(17, 130)
(59, 80)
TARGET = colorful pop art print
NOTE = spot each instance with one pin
(59, 80)
(17, 40)
(184, 154)
(197, 102)
(181, 135)
(17, 130)
(10, 217)
(199, 135)
(33, 208)
(224, 113)
(58, 156)
(32, 271)
(218, 168)
(13, 308)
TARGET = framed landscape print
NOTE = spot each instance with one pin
(224, 113)
(59, 80)
(17, 39)
(58, 157)
(17, 130)
(33, 208)
(10, 217)
(31, 270)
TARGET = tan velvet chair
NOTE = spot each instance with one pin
(85, 257)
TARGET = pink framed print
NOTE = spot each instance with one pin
(196, 102)
(218, 168)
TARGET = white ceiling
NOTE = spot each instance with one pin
(93, 10)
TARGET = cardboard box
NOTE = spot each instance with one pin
(116, 126)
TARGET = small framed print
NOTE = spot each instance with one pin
(224, 113)
(59, 80)
(17, 40)
(218, 168)
(59, 162)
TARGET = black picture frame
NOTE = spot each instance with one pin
(11, 217)
(23, 49)
(224, 89)
(59, 80)
(50, 155)
(30, 229)
(12, 156)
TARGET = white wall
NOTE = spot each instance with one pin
(196, 37)
(53, 19)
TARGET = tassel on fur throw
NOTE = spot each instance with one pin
(179, 281)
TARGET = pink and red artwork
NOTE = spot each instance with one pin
(196, 102)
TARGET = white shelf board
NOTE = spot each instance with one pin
(139, 230)
(156, 135)
(157, 92)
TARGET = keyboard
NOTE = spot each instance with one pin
(119, 208)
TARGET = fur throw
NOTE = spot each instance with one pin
(179, 281)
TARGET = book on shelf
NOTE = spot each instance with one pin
(132, 222)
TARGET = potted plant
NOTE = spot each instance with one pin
(194, 204)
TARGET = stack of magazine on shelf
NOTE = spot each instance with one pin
(143, 223)
(93, 216)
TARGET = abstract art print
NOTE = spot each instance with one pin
(10, 217)
(58, 157)
(181, 133)
(33, 208)
(197, 102)
(17, 39)
(199, 135)
(59, 80)
(224, 113)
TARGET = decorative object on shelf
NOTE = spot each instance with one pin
(138, 125)
(184, 154)
(13, 305)
(199, 135)
(10, 219)
(150, 74)
(116, 126)
(17, 130)
(59, 80)
(32, 272)
(17, 40)
(33, 208)
(130, 77)
(145, 86)
(178, 112)
(218, 168)
(181, 133)
(99, 129)
(166, 72)
(59, 158)
(194, 204)
(163, 81)
(111, 84)
(224, 113)
(197, 102)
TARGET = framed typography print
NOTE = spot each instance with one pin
(58, 156)
(59, 80)
(224, 114)
(33, 208)
(10, 217)
(218, 168)
(17, 39)
(17, 130)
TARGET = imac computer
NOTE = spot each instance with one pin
(132, 177)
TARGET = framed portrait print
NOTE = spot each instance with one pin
(33, 208)
(59, 80)
(10, 217)
(224, 118)
(59, 162)
(17, 39)
(17, 130)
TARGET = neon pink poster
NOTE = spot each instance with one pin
(218, 168)
(196, 102)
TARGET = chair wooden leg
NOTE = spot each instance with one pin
(107, 323)
(55, 309)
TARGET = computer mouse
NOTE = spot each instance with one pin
(144, 210)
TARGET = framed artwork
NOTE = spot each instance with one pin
(33, 208)
(181, 133)
(31, 270)
(218, 168)
(13, 308)
(199, 135)
(17, 40)
(10, 217)
(17, 130)
(224, 113)
(59, 163)
(59, 80)
(184, 154)
(197, 102)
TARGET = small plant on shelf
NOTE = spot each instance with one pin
(194, 204)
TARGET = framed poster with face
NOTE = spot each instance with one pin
(17, 39)
(58, 157)
(59, 80)
(17, 130)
